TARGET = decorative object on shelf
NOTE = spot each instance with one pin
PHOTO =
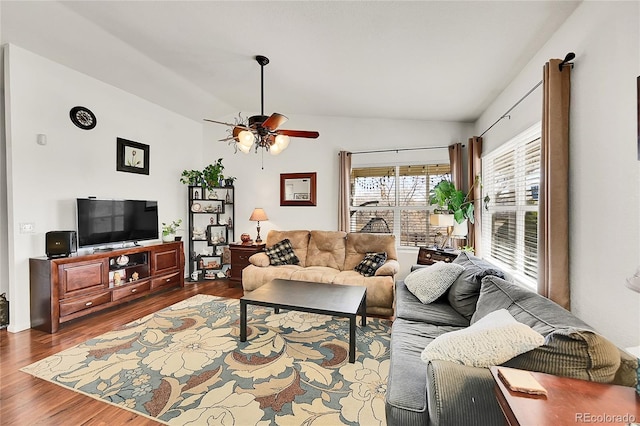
(213, 195)
(230, 222)
(122, 260)
(196, 194)
(245, 238)
(257, 215)
(262, 130)
(228, 181)
(198, 234)
(83, 118)
(212, 221)
(195, 275)
(196, 207)
(227, 198)
(169, 231)
(226, 255)
(132, 157)
(117, 279)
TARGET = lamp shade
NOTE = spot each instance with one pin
(441, 219)
(257, 215)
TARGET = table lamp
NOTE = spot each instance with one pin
(258, 215)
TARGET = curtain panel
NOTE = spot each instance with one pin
(553, 215)
(474, 168)
(455, 162)
(344, 176)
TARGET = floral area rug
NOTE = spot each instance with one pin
(186, 365)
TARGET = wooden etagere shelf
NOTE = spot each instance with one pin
(211, 221)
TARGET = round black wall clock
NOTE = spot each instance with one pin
(83, 118)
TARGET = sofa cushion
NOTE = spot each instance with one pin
(439, 312)
(379, 290)
(281, 253)
(254, 277)
(359, 244)
(327, 248)
(407, 382)
(317, 274)
(464, 292)
(370, 264)
(427, 284)
(494, 339)
(299, 241)
(571, 347)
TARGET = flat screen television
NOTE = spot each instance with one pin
(105, 222)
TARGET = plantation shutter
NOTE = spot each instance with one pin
(511, 178)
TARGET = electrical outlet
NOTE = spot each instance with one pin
(27, 228)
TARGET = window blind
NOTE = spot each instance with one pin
(511, 178)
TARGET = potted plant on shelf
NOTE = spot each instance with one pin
(212, 174)
(169, 231)
(191, 177)
(228, 181)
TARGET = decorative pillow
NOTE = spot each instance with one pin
(464, 292)
(427, 284)
(494, 339)
(281, 253)
(371, 263)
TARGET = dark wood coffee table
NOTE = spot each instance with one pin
(326, 299)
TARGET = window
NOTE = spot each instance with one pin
(511, 178)
(395, 199)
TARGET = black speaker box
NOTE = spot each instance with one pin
(60, 243)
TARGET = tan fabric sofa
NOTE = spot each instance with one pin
(330, 257)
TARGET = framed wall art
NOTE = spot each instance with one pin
(132, 157)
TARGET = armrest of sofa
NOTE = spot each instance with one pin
(459, 394)
(390, 268)
(259, 259)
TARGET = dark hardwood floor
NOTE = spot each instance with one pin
(25, 400)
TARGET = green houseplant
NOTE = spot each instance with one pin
(453, 201)
(169, 231)
(191, 177)
(212, 174)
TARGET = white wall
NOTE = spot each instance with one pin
(604, 187)
(4, 264)
(257, 187)
(43, 181)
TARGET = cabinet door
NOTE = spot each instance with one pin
(83, 277)
(165, 260)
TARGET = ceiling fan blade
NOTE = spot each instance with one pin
(235, 126)
(227, 139)
(274, 121)
(299, 133)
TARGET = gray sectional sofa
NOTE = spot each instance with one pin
(447, 393)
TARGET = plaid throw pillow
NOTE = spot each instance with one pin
(371, 263)
(281, 253)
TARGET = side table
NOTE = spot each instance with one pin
(240, 254)
(568, 402)
(431, 255)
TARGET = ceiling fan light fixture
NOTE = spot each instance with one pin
(243, 148)
(245, 138)
(275, 149)
(282, 141)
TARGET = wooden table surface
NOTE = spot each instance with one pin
(569, 402)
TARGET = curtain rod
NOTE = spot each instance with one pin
(565, 63)
(506, 114)
(396, 150)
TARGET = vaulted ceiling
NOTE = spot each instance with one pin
(422, 60)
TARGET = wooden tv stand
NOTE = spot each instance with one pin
(67, 288)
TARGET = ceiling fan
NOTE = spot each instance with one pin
(262, 130)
